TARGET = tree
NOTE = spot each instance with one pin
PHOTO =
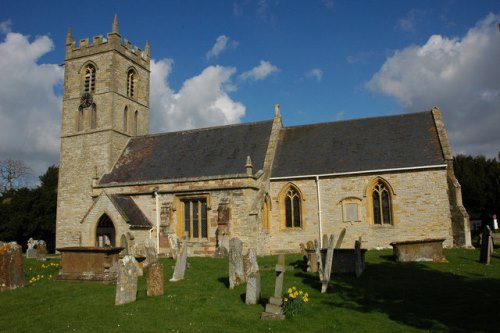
(12, 173)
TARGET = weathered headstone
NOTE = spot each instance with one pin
(11, 266)
(236, 270)
(155, 279)
(150, 251)
(41, 250)
(486, 246)
(174, 245)
(126, 284)
(274, 309)
(312, 262)
(340, 239)
(253, 278)
(359, 263)
(180, 264)
(325, 268)
(31, 251)
(124, 244)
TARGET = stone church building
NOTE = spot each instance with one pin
(384, 179)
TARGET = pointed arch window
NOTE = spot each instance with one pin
(93, 117)
(125, 119)
(131, 80)
(89, 84)
(291, 207)
(381, 203)
(136, 122)
(79, 125)
(266, 207)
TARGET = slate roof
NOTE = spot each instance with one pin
(134, 216)
(400, 141)
(215, 151)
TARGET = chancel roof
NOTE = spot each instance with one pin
(217, 151)
(390, 142)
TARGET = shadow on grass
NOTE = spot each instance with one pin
(224, 280)
(416, 295)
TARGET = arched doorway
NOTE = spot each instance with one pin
(105, 232)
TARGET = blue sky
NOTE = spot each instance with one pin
(320, 60)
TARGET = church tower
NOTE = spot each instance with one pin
(105, 103)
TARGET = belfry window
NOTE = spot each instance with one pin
(125, 119)
(89, 85)
(136, 122)
(93, 117)
(382, 204)
(131, 77)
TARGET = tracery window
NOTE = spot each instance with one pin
(79, 125)
(381, 203)
(291, 207)
(131, 78)
(125, 119)
(136, 122)
(89, 84)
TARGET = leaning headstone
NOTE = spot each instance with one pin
(155, 279)
(11, 266)
(340, 239)
(236, 270)
(126, 284)
(150, 252)
(325, 268)
(274, 309)
(359, 263)
(253, 278)
(180, 264)
(486, 246)
(31, 251)
(41, 250)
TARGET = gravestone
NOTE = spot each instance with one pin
(31, 251)
(253, 278)
(486, 246)
(340, 239)
(126, 284)
(236, 269)
(11, 266)
(41, 250)
(180, 264)
(150, 252)
(174, 245)
(359, 263)
(325, 268)
(124, 244)
(312, 262)
(274, 309)
(155, 279)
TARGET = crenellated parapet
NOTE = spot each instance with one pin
(112, 42)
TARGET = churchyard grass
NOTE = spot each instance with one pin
(461, 295)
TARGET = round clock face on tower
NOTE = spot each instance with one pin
(86, 100)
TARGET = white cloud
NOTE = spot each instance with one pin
(411, 20)
(201, 102)
(222, 43)
(459, 75)
(5, 27)
(315, 73)
(29, 108)
(260, 72)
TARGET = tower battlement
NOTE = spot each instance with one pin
(112, 41)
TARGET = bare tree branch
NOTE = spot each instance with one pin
(12, 174)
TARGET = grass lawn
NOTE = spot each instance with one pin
(459, 296)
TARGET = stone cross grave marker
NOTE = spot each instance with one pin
(253, 278)
(155, 279)
(486, 246)
(236, 270)
(31, 251)
(325, 268)
(274, 310)
(180, 264)
(126, 284)
(11, 266)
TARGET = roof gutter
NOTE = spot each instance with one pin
(360, 172)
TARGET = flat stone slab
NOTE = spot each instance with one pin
(419, 250)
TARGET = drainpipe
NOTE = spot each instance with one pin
(319, 213)
(155, 193)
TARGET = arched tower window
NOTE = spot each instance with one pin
(290, 201)
(125, 119)
(79, 121)
(93, 117)
(266, 208)
(131, 80)
(105, 232)
(381, 200)
(89, 85)
(136, 122)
